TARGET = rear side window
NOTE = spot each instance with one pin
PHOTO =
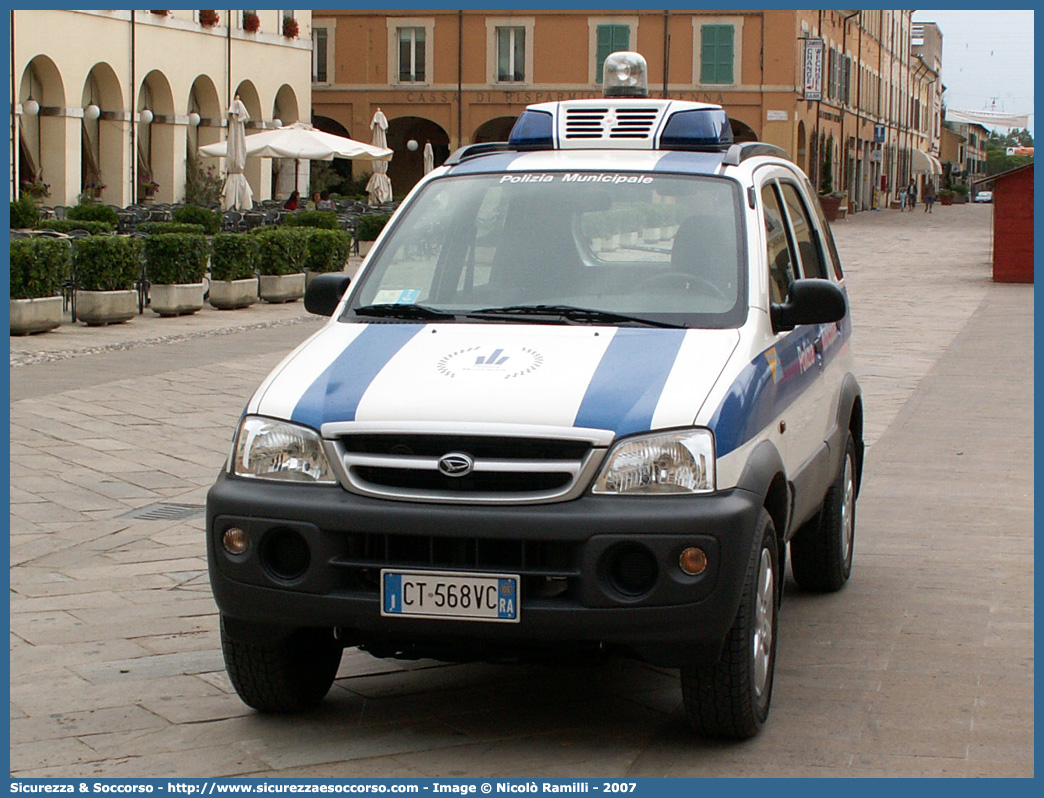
(780, 258)
(805, 237)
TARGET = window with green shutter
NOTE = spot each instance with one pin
(716, 53)
(611, 39)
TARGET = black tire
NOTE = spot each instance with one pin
(730, 699)
(287, 675)
(821, 551)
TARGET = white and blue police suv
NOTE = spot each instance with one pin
(584, 391)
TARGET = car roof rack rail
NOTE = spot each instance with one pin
(475, 150)
(738, 153)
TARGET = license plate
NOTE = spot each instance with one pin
(452, 596)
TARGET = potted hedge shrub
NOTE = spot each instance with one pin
(328, 251)
(105, 268)
(193, 214)
(24, 213)
(281, 263)
(38, 267)
(233, 266)
(175, 264)
(367, 228)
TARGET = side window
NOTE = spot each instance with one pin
(809, 247)
(825, 227)
(780, 259)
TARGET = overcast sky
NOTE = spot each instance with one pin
(987, 56)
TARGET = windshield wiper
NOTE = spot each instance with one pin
(570, 313)
(404, 311)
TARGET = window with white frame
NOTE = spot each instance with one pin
(412, 48)
(717, 44)
(320, 51)
(511, 54)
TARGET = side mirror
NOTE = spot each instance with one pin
(811, 301)
(324, 292)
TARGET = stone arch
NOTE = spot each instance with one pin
(287, 174)
(406, 167)
(41, 136)
(102, 155)
(203, 99)
(497, 129)
(155, 140)
(741, 131)
(341, 166)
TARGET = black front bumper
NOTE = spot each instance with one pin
(564, 552)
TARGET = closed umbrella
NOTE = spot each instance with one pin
(429, 157)
(379, 187)
(236, 193)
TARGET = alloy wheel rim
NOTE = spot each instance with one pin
(848, 512)
(763, 622)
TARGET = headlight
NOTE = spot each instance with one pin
(679, 462)
(270, 449)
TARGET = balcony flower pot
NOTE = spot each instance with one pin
(830, 203)
(277, 288)
(177, 299)
(30, 316)
(290, 28)
(98, 308)
(251, 23)
(232, 294)
(208, 19)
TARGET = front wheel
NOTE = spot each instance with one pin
(730, 699)
(288, 674)
(821, 551)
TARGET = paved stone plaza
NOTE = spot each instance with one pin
(921, 666)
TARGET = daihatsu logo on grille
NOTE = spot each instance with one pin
(456, 464)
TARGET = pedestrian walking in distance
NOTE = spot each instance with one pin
(911, 194)
(929, 197)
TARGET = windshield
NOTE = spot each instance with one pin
(562, 247)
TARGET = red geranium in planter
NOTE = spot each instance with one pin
(290, 28)
(208, 19)
(160, 13)
(251, 23)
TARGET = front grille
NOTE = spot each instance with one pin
(503, 468)
(547, 567)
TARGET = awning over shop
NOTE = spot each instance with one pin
(923, 162)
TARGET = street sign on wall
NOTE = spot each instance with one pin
(813, 69)
(879, 133)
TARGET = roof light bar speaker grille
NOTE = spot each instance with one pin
(611, 123)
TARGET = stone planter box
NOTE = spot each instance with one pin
(35, 315)
(364, 248)
(830, 206)
(95, 308)
(277, 288)
(176, 300)
(232, 294)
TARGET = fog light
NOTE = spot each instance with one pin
(235, 540)
(693, 561)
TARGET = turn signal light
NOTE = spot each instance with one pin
(693, 561)
(235, 540)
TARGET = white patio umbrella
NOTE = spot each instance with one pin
(237, 192)
(379, 186)
(302, 141)
(429, 157)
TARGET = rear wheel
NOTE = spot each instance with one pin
(821, 551)
(730, 699)
(288, 674)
